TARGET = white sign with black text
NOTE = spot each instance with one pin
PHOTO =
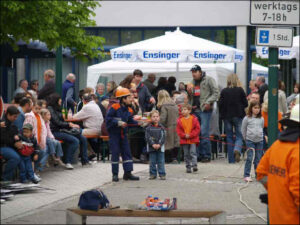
(276, 37)
(274, 12)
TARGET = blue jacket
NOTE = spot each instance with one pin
(68, 86)
(117, 113)
(20, 120)
(155, 135)
(144, 97)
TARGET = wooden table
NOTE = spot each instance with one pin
(72, 120)
(78, 216)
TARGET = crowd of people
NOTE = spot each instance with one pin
(143, 121)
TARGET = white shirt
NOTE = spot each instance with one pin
(91, 116)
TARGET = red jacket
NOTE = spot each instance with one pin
(194, 135)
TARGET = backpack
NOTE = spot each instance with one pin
(93, 200)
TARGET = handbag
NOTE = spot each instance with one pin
(26, 150)
(72, 131)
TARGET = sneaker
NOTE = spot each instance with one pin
(162, 177)
(248, 179)
(35, 181)
(36, 177)
(115, 178)
(89, 163)
(188, 170)
(69, 166)
(237, 156)
(152, 177)
(92, 156)
(195, 169)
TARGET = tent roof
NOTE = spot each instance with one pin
(177, 46)
(115, 67)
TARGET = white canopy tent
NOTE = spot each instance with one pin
(177, 47)
(283, 53)
(117, 71)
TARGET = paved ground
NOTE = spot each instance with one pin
(193, 191)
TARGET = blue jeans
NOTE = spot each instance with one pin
(204, 148)
(72, 144)
(83, 147)
(157, 158)
(236, 145)
(54, 147)
(258, 154)
(43, 157)
(12, 161)
(26, 171)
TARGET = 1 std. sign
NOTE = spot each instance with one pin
(276, 37)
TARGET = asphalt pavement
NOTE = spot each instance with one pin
(213, 187)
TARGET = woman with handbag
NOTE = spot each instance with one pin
(67, 132)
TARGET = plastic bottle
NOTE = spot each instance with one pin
(148, 200)
(75, 109)
(63, 113)
(174, 203)
(160, 205)
(167, 202)
(70, 114)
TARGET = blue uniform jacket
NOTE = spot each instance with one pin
(117, 113)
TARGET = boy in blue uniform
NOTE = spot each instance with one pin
(117, 119)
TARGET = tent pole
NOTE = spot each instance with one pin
(177, 69)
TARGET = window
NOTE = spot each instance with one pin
(151, 33)
(206, 34)
(111, 36)
(220, 36)
(130, 36)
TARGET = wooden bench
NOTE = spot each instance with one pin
(79, 216)
(104, 143)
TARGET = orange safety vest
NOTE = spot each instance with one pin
(278, 170)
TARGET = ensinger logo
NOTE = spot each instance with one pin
(208, 55)
(160, 55)
(122, 55)
(238, 57)
(281, 52)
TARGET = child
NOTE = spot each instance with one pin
(252, 130)
(42, 103)
(40, 133)
(30, 147)
(54, 146)
(188, 129)
(155, 138)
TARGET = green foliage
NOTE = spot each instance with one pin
(53, 22)
(260, 61)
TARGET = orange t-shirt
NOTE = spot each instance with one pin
(280, 165)
(265, 116)
(187, 124)
(39, 127)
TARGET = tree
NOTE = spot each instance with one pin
(53, 22)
